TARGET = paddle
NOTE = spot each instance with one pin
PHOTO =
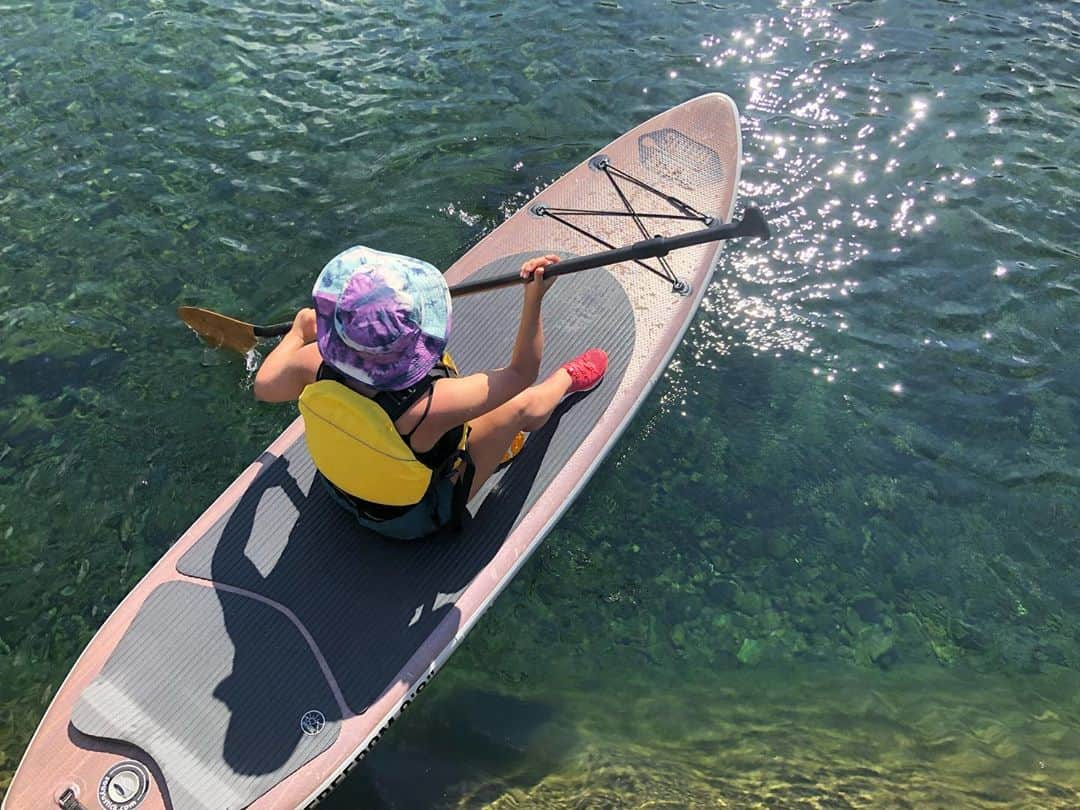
(225, 332)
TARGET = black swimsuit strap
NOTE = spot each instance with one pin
(408, 436)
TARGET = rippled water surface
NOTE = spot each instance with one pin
(833, 563)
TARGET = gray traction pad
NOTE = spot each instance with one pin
(199, 676)
(203, 671)
(368, 602)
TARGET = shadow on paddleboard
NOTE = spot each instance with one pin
(366, 601)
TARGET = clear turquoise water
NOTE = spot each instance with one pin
(833, 563)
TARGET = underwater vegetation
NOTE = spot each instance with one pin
(777, 522)
(796, 613)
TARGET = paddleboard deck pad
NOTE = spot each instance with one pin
(275, 641)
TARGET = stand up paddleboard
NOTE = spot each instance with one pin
(271, 646)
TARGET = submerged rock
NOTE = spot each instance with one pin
(778, 646)
(780, 545)
(749, 603)
(723, 591)
(868, 606)
(750, 652)
(874, 646)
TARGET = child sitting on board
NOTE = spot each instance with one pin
(400, 440)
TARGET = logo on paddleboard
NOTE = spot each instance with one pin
(312, 722)
(124, 786)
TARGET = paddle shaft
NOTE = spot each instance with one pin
(273, 330)
(752, 224)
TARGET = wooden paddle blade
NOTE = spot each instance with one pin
(220, 331)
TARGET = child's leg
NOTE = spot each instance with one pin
(492, 432)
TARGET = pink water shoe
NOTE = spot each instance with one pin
(586, 370)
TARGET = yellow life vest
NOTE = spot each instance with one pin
(354, 444)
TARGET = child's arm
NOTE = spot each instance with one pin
(293, 363)
(455, 401)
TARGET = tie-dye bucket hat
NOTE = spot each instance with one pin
(381, 318)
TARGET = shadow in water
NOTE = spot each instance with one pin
(467, 738)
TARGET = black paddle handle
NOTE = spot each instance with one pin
(274, 330)
(752, 224)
